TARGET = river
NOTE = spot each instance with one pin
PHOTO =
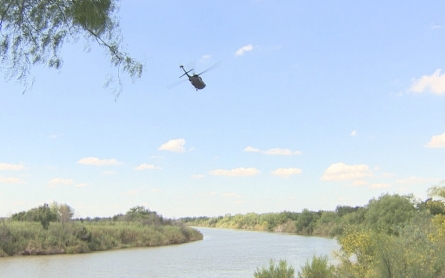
(222, 253)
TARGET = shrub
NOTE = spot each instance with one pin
(281, 270)
(317, 268)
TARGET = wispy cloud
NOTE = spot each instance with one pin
(353, 133)
(176, 145)
(156, 190)
(108, 173)
(11, 167)
(437, 141)
(144, 166)
(286, 172)
(199, 176)
(55, 136)
(275, 151)
(81, 185)
(131, 192)
(205, 58)
(238, 172)
(231, 195)
(359, 183)
(244, 49)
(10, 180)
(341, 171)
(413, 180)
(434, 83)
(59, 181)
(98, 162)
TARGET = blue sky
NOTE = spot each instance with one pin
(314, 105)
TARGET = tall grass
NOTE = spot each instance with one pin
(29, 238)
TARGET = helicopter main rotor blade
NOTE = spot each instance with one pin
(174, 84)
(214, 66)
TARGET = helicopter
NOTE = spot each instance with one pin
(196, 79)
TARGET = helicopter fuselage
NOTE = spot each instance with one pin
(195, 79)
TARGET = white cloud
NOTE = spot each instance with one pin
(244, 49)
(354, 132)
(278, 151)
(131, 193)
(209, 194)
(437, 141)
(144, 166)
(55, 136)
(176, 145)
(156, 190)
(417, 180)
(108, 173)
(341, 171)
(58, 181)
(286, 172)
(359, 183)
(231, 195)
(197, 176)
(13, 167)
(97, 162)
(81, 185)
(10, 180)
(205, 57)
(434, 83)
(275, 151)
(238, 172)
(251, 149)
(379, 185)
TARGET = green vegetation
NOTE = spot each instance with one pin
(281, 270)
(392, 236)
(33, 31)
(385, 213)
(50, 230)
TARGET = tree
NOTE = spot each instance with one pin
(45, 216)
(63, 211)
(389, 211)
(33, 31)
(306, 221)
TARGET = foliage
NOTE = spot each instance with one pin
(33, 31)
(318, 267)
(413, 251)
(389, 211)
(281, 270)
(21, 234)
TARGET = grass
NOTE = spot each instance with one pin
(29, 238)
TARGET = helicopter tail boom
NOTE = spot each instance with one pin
(185, 72)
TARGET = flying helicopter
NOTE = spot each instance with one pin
(196, 79)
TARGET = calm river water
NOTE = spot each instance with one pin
(222, 253)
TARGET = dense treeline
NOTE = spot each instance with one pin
(392, 236)
(50, 229)
(383, 213)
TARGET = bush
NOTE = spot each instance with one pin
(282, 270)
(317, 268)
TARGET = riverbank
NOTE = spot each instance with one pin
(29, 238)
(325, 224)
